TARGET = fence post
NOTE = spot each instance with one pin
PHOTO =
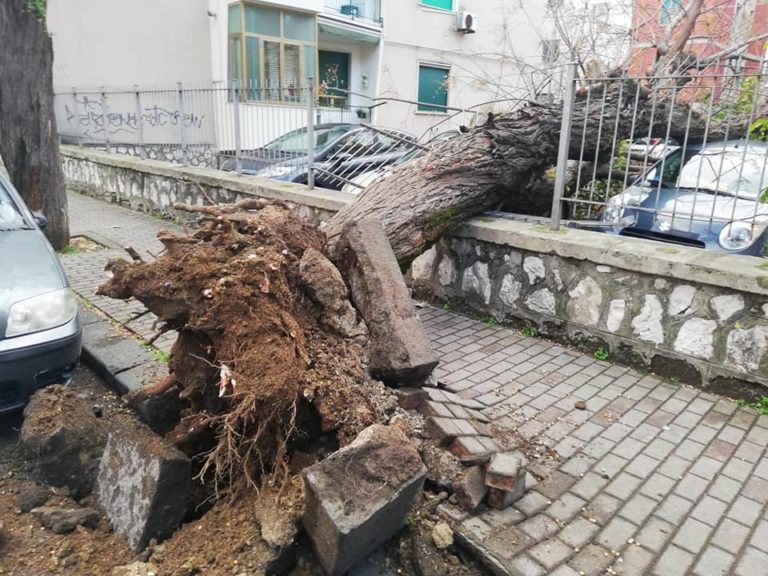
(104, 117)
(565, 142)
(140, 122)
(77, 117)
(183, 135)
(236, 114)
(310, 132)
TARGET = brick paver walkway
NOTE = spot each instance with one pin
(650, 478)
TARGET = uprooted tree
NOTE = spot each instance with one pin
(421, 200)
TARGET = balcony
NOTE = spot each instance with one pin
(363, 11)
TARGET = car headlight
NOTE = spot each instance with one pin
(41, 312)
(737, 235)
(276, 171)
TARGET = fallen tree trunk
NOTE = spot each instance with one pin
(423, 199)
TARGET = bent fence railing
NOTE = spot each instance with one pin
(677, 157)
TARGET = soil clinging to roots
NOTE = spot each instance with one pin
(263, 373)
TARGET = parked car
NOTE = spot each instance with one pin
(652, 148)
(40, 335)
(711, 197)
(342, 151)
(362, 181)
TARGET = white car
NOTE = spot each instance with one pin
(653, 148)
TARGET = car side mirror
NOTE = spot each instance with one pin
(40, 220)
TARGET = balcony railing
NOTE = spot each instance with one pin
(368, 11)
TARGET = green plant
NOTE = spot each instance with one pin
(37, 7)
(161, 356)
(529, 332)
(69, 249)
(490, 320)
(674, 380)
(601, 353)
(446, 306)
(760, 405)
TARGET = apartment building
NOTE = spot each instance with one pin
(420, 65)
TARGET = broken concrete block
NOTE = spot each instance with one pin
(470, 488)
(411, 398)
(358, 498)
(143, 485)
(325, 286)
(501, 499)
(504, 471)
(442, 536)
(64, 520)
(505, 476)
(470, 450)
(136, 569)
(63, 439)
(400, 353)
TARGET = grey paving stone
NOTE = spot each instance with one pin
(673, 562)
(692, 535)
(578, 532)
(691, 487)
(752, 562)
(623, 486)
(714, 562)
(638, 508)
(591, 559)
(655, 534)
(724, 488)
(634, 561)
(615, 535)
(731, 535)
(539, 527)
(526, 566)
(566, 507)
(551, 553)
(532, 503)
(710, 511)
(674, 508)
(744, 511)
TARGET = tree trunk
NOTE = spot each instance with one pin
(431, 195)
(28, 141)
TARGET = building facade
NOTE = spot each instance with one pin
(420, 65)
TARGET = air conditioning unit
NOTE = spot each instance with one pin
(466, 23)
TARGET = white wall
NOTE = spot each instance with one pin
(125, 42)
(488, 65)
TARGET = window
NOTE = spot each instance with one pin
(550, 51)
(433, 89)
(669, 8)
(440, 4)
(271, 51)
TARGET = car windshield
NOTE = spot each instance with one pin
(732, 172)
(10, 217)
(296, 141)
(729, 171)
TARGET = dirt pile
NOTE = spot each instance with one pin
(262, 366)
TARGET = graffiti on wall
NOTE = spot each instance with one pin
(88, 117)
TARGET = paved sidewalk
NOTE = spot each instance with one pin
(650, 478)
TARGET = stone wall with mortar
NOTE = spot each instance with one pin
(698, 316)
(694, 316)
(154, 186)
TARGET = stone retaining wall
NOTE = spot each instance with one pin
(154, 186)
(700, 317)
(689, 314)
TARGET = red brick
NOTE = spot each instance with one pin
(470, 488)
(411, 398)
(505, 470)
(470, 450)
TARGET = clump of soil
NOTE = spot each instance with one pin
(262, 375)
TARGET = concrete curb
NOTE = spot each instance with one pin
(123, 363)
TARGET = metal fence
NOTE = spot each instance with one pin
(277, 132)
(365, 10)
(678, 158)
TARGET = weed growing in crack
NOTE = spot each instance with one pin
(760, 405)
(601, 353)
(490, 320)
(529, 332)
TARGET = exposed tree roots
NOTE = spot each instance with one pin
(262, 374)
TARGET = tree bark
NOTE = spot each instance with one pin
(431, 195)
(29, 144)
